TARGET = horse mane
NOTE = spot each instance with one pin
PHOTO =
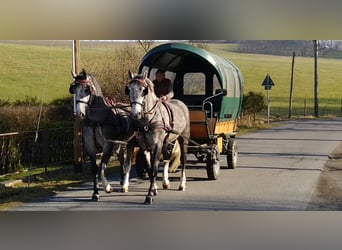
(98, 90)
(150, 85)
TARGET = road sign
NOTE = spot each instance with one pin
(268, 82)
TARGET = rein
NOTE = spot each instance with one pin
(152, 125)
(149, 112)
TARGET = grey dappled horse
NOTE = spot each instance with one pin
(159, 124)
(102, 124)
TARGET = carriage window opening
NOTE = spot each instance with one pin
(237, 89)
(194, 84)
(216, 85)
(145, 68)
(168, 74)
(231, 83)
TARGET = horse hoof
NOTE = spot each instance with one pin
(166, 186)
(124, 190)
(95, 197)
(181, 188)
(155, 192)
(148, 200)
(108, 189)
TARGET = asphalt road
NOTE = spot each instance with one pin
(278, 169)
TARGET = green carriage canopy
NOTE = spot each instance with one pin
(189, 63)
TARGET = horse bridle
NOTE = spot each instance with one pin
(143, 82)
(88, 83)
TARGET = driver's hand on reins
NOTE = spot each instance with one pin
(163, 98)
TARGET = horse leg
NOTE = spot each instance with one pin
(171, 161)
(107, 152)
(166, 182)
(120, 151)
(150, 171)
(166, 158)
(127, 168)
(147, 155)
(153, 171)
(106, 186)
(184, 150)
(95, 172)
(140, 164)
(88, 138)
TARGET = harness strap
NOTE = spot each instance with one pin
(159, 124)
(156, 125)
(85, 81)
(170, 113)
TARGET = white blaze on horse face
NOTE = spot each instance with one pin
(82, 97)
(136, 95)
(82, 106)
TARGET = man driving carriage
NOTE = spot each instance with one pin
(162, 86)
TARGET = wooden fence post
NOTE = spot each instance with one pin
(78, 156)
(46, 148)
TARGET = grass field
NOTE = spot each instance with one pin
(37, 183)
(255, 67)
(24, 68)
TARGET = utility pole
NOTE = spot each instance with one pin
(316, 113)
(291, 85)
(78, 157)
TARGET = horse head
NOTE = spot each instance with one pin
(83, 88)
(140, 90)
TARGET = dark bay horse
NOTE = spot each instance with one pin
(159, 124)
(103, 124)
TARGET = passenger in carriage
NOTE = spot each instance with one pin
(162, 86)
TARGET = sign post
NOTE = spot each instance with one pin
(316, 111)
(291, 85)
(268, 83)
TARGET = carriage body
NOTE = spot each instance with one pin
(212, 88)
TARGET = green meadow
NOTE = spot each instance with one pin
(42, 69)
(26, 69)
(255, 67)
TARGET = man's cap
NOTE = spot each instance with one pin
(160, 71)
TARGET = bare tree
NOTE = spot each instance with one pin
(145, 44)
(200, 44)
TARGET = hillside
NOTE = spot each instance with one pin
(255, 67)
(25, 66)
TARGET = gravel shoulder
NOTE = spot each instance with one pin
(328, 193)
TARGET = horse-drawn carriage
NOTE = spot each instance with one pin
(207, 102)
(212, 89)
